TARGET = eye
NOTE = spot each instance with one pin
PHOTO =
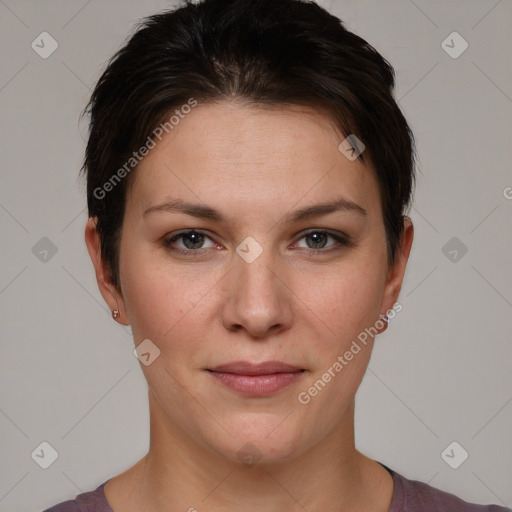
(316, 240)
(192, 240)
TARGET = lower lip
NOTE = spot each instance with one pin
(257, 385)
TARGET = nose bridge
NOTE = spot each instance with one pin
(255, 268)
(257, 298)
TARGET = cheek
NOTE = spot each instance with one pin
(344, 301)
(165, 302)
(347, 302)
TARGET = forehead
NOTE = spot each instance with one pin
(235, 154)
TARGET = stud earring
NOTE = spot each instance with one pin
(115, 313)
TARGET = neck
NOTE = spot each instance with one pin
(178, 474)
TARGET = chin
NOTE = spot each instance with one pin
(261, 439)
(250, 452)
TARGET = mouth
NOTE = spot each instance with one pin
(261, 379)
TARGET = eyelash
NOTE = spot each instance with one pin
(342, 241)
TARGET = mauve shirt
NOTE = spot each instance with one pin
(408, 496)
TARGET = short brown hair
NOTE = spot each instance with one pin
(262, 52)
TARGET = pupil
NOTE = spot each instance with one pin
(317, 238)
(196, 238)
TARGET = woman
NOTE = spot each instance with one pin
(248, 174)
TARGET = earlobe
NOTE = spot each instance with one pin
(382, 323)
(396, 272)
(103, 277)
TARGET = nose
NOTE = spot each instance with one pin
(257, 298)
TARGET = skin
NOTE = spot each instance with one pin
(212, 307)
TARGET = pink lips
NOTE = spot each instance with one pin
(256, 379)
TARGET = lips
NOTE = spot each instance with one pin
(246, 368)
(261, 379)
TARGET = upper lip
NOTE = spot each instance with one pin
(247, 368)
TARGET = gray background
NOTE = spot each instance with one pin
(442, 371)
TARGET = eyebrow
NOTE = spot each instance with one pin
(206, 212)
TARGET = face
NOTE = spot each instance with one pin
(225, 266)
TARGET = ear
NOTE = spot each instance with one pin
(395, 275)
(108, 291)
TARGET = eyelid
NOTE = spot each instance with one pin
(330, 232)
(168, 240)
(342, 240)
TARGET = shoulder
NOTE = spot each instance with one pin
(416, 496)
(92, 501)
(65, 506)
